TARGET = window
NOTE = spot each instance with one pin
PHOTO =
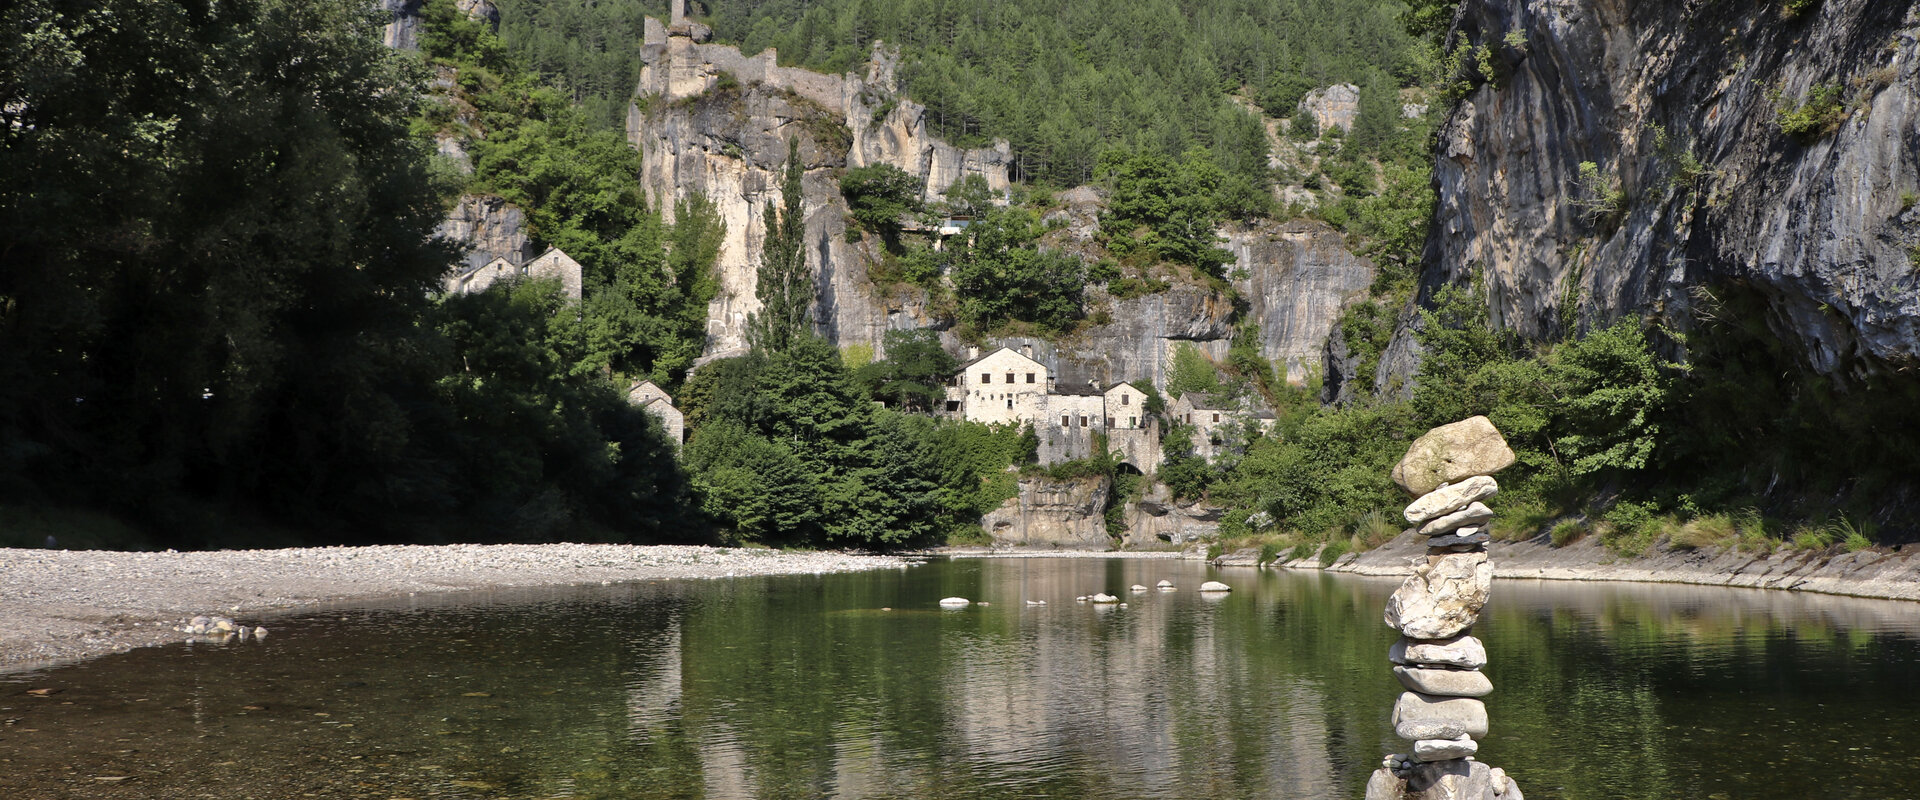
(1009, 378)
(1189, 418)
(1109, 422)
(1133, 422)
(1029, 377)
(1009, 401)
(1065, 421)
(953, 405)
(1083, 420)
(1126, 399)
(986, 377)
(1216, 416)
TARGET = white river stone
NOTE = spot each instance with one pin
(1473, 514)
(1443, 598)
(1463, 652)
(1451, 497)
(1419, 716)
(1448, 682)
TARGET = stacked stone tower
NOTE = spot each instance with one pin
(1449, 470)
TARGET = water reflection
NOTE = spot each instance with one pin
(804, 687)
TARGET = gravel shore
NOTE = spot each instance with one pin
(64, 605)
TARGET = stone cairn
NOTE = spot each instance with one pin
(1449, 470)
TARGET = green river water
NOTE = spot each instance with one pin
(806, 687)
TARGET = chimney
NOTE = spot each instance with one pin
(972, 352)
(1027, 350)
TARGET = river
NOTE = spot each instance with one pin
(810, 687)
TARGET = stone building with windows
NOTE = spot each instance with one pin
(1215, 421)
(1011, 387)
(551, 265)
(655, 400)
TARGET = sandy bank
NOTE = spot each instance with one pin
(64, 605)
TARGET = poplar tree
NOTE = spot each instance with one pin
(785, 287)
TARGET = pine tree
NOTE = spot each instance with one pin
(785, 285)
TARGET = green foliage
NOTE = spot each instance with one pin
(1164, 209)
(915, 373)
(1000, 276)
(1185, 474)
(1812, 119)
(1192, 373)
(1794, 8)
(879, 195)
(587, 46)
(1599, 201)
(1062, 82)
(1429, 19)
(784, 285)
(1366, 328)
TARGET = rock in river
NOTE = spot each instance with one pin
(1215, 586)
(1441, 599)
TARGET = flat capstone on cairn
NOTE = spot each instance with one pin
(1449, 470)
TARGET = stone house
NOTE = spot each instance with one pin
(1009, 387)
(1211, 417)
(655, 400)
(551, 265)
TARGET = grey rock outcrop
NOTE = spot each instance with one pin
(1336, 105)
(1159, 520)
(489, 228)
(1678, 104)
(1068, 514)
(712, 122)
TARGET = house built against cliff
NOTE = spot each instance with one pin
(1009, 387)
(551, 265)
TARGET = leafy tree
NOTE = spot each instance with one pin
(784, 285)
(878, 195)
(1165, 209)
(1185, 474)
(914, 375)
(1000, 276)
(1192, 373)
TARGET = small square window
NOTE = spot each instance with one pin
(1009, 377)
(1065, 421)
(953, 405)
(1126, 400)
(1029, 377)
(1216, 418)
(986, 377)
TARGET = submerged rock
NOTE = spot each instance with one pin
(955, 602)
(1215, 586)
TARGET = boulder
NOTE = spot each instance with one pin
(1215, 586)
(1463, 652)
(1443, 598)
(1104, 598)
(1451, 453)
(1451, 497)
(955, 602)
(1447, 682)
(1243, 557)
(1423, 716)
(1445, 749)
(1164, 584)
(1473, 514)
(1136, 588)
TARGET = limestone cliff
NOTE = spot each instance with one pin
(1680, 106)
(712, 122)
(1068, 514)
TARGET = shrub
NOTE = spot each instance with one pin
(1334, 550)
(1567, 532)
(1521, 520)
(1713, 530)
(1807, 122)
(1599, 202)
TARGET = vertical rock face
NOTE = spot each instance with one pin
(1157, 520)
(403, 25)
(1066, 514)
(1816, 224)
(715, 123)
(490, 228)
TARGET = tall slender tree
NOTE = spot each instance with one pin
(785, 285)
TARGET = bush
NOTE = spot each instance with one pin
(1567, 532)
(1808, 121)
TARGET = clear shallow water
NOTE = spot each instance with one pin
(802, 687)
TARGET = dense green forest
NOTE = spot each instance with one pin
(218, 313)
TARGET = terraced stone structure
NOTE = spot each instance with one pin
(1449, 472)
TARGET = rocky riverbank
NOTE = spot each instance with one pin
(64, 605)
(1885, 573)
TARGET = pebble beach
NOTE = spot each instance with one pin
(58, 606)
